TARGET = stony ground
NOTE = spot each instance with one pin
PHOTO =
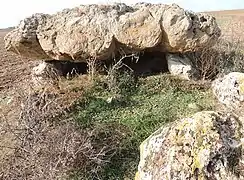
(15, 72)
(13, 68)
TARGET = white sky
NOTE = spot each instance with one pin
(12, 11)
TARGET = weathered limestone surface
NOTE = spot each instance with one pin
(229, 90)
(181, 66)
(206, 146)
(101, 31)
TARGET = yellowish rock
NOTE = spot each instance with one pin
(204, 146)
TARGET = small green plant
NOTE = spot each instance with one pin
(121, 81)
(157, 101)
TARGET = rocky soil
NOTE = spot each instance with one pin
(15, 76)
(13, 68)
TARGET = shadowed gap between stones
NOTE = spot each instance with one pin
(147, 63)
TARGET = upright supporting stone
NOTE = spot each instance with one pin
(181, 66)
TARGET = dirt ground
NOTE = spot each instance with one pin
(231, 23)
(15, 74)
(16, 85)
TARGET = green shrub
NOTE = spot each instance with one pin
(158, 100)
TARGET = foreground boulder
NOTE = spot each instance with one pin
(102, 31)
(206, 146)
(230, 89)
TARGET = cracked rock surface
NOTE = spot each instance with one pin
(102, 31)
(229, 90)
(206, 146)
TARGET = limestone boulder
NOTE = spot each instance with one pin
(206, 146)
(181, 66)
(45, 73)
(188, 31)
(229, 90)
(102, 31)
(23, 40)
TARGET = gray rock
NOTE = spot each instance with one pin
(181, 66)
(45, 73)
(206, 146)
(101, 31)
(229, 89)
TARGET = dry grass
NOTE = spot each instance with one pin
(223, 58)
(33, 146)
(13, 73)
(44, 144)
(49, 147)
(231, 23)
(25, 133)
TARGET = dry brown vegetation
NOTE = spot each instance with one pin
(24, 128)
(231, 23)
(26, 131)
(12, 72)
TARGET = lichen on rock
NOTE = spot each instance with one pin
(206, 146)
(230, 90)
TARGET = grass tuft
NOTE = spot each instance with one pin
(156, 101)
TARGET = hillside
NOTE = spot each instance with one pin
(231, 23)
